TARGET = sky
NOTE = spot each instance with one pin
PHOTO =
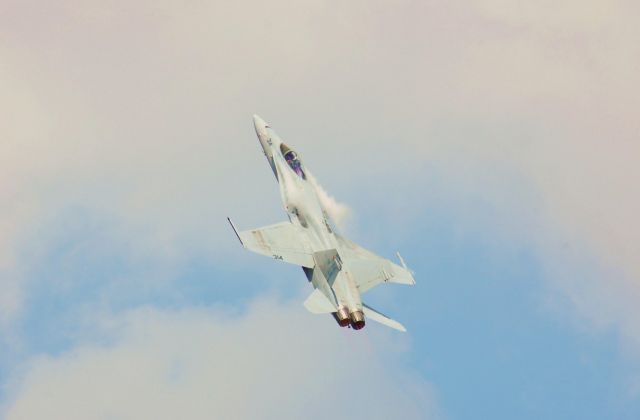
(493, 143)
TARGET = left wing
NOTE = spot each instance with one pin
(282, 241)
(369, 269)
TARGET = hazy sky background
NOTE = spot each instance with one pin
(494, 143)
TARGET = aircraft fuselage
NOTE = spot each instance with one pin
(301, 200)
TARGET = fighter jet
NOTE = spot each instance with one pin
(339, 270)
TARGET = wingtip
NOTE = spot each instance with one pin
(404, 265)
(235, 230)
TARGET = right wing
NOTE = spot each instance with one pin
(369, 269)
(282, 241)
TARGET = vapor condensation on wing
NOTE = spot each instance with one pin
(341, 213)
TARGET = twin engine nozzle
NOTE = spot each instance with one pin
(344, 318)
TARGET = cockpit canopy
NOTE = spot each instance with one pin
(292, 160)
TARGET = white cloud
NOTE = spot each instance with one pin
(565, 77)
(568, 14)
(140, 114)
(274, 361)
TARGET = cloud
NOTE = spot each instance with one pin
(570, 14)
(274, 361)
(140, 116)
(564, 77)
(530, 112)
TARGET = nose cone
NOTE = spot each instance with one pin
(259, 123)
(261, 127)
(262, 132)
(268, 140)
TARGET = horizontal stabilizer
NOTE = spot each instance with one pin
(374, 315)
(317, 303)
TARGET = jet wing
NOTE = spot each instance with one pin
(282, 241)
(369, 269)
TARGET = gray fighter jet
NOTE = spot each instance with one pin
(339, 270)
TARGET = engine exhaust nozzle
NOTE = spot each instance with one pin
(342, 316)
(357, 320)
